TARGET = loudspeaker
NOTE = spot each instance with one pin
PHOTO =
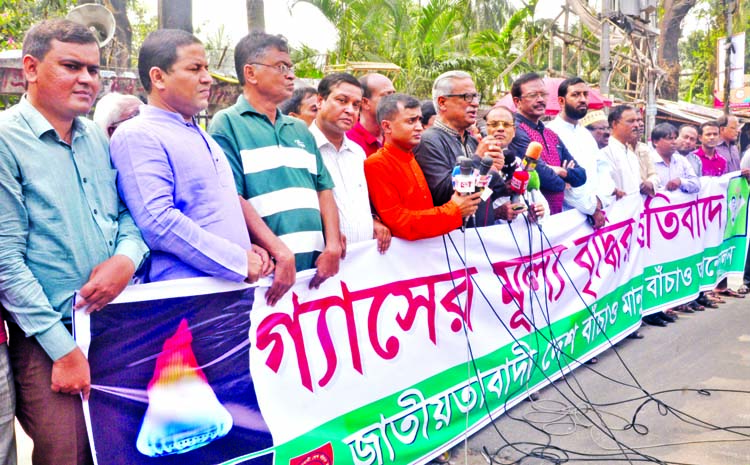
(97, 18)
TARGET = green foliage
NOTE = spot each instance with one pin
(16, 16)
(698, 55)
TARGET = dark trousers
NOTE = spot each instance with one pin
(53, 421)
(746, 275)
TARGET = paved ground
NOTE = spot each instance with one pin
(708, 350)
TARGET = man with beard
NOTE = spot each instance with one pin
(456, 101)
(557, 169)
(339, 100)
(573, 96)
(687, 141)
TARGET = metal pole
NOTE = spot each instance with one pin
(728, 59)
(605, 63)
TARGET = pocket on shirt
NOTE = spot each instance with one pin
(106, 192)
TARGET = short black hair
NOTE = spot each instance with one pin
(562, 90)
(616, 113)
(293, 103)
(662, 131)
(713, 124)
(388, 105)
(515, 88)
(38, 39)
(160, 50)
(428, 111)
(253, 46)
(326, 85)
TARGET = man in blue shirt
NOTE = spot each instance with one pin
(174, 177)
(62, 229)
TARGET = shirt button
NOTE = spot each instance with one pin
(96, 212)
(111, 243)
(85, 180)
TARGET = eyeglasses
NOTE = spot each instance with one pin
(468, 97)
(536, 96)
(282, 68)
(497, 124)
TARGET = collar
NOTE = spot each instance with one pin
(559, 119)
(244, 106)
(398, 152)
(156, 112)
(613, 142)
(366, 135)
(445, 128)
(539, 126)
(39, 124)
(321, 139)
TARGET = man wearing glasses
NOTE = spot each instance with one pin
(557, 169)
(276, 164)
(456, 102)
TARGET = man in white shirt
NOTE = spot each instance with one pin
(626, 166)
(339, 101)
(573, 96)
(674, 171)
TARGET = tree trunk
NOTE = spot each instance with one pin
(176, 14)
(256, 20)
(122, 45)
(668, 52)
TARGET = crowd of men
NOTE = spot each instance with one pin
(263, 192)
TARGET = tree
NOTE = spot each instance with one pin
(176, 14)
(670, 27)
(256, 19)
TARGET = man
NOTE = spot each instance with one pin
(596, 123)
(303, 104)
(456, 101)
(501, 129)
(573, 96)
(366, 132)
(339, 100)
(175, 178)
(712, 163)
(673, 169)
(63, 229)
(557, 169)
(643, 152)
(627, 170)
(114, 109)
(729, 129)
(398, 188)
(275, 162)
(687, 141)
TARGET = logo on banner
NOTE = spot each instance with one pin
(323, 455)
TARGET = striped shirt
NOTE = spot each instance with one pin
(279, 170)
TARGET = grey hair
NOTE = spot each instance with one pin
(443, 85)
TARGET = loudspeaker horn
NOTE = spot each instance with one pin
(97, 18)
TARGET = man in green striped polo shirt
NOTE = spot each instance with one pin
(276, 164)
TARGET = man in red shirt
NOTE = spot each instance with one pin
(713, 163)
(366, 133)
(398, 189)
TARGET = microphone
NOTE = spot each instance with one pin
(534, 183)
(464, 182)
(518, 184)
(533, 151)
(483, 178)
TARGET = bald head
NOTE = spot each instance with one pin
(374, 87)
